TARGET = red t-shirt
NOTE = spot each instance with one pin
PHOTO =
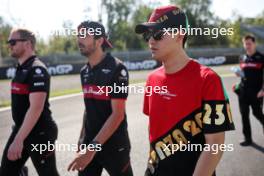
(184, 106)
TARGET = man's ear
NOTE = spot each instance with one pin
(28, 44)
(100, 41)
(180, 37)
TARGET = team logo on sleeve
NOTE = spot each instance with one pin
(123, 72)
(38, 71)
(123, 75)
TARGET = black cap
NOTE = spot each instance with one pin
(99, 31)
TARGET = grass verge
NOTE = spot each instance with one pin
(7, 103)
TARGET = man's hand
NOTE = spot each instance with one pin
(37, 101)
(260, 93)
(82, 160)
(237, 74)
(15, 150)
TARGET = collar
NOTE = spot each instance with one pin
(28, 62)
(253, 55)
(100, 64)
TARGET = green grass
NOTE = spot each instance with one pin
(52, 94)
(64, 92)
(5, 104)
(5, 81)
(219, 69)
(137, 81)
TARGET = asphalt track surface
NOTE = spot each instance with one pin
(67, 112)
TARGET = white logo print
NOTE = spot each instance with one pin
(38, 71)
(123, 72)
(39, 84)
(167, 95)
(15, 88)
(106, 71)
(90, 90)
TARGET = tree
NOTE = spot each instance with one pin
(5, 30)
(41, 47)
(118, 14)
(236, 39)
(200, 16)
(121, 22)
(258, 20)
(63, 42)
(141, 15)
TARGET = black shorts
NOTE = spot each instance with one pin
(44, 162)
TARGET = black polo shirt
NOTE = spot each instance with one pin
(253, 69)
(110, 72)
(31, 76)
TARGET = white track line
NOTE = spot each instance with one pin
(79, 94)
(62, 97)
(5, 109)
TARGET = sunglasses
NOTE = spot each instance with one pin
(157, 35)
(12, 42)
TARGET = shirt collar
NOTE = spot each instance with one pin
(100, 64)
(27, 62)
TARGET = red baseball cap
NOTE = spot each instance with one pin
(164, 17)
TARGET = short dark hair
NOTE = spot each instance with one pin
(184, 40)
(97, 25)
(26, 34)
(249, 37)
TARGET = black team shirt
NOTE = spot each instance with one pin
(32, 76)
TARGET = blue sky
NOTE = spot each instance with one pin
(45, 16)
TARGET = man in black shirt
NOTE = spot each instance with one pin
(30, 111)
(104, 130)
(251, 86)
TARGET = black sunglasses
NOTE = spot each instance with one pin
(157, 35)
(12, 42)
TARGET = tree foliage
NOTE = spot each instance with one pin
(123, 15)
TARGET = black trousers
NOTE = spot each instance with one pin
(114, 158)
(172, 167)
(247, 98)
(44, 162)
(115, 163)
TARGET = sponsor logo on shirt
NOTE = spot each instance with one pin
(106, 71)
(18, 88)
(123, 75)
(39, 84)
(251, 65)
(167, 95)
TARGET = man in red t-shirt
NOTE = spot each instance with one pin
(188, 119)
